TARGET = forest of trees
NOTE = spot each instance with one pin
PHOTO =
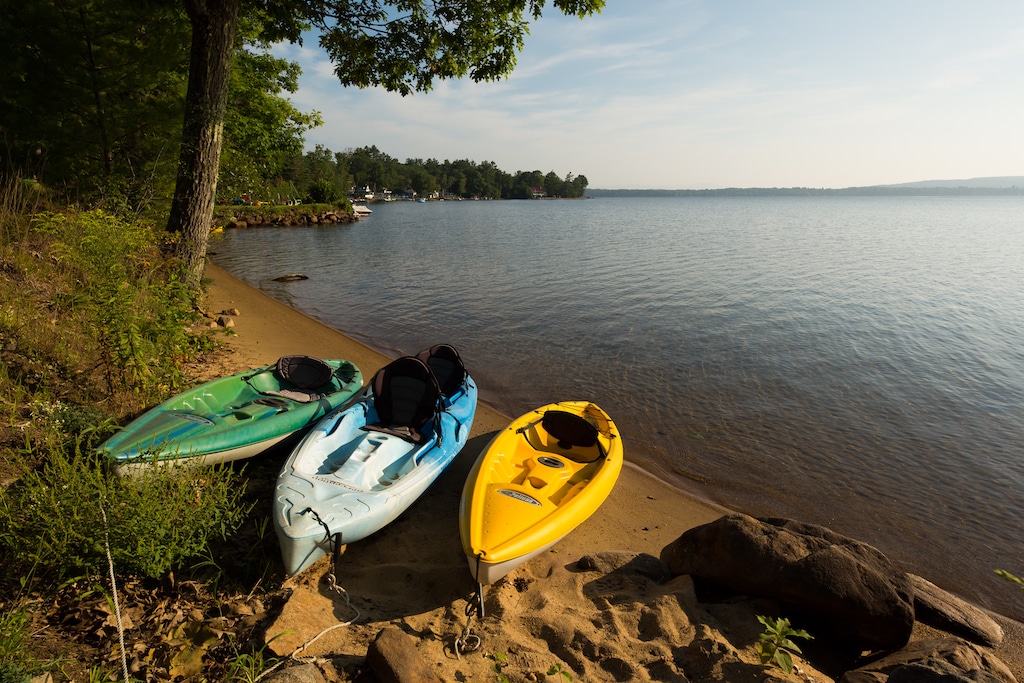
(92, 99)
(322, 175)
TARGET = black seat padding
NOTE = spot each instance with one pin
(304, 372)
(406, 397)
(304, 379)
(448, 368)
(569, 429)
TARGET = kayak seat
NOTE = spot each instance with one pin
(448, 368)
(305, 374)
(571, 430)
(406, 397)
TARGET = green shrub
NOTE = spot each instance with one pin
(500, 662)
(322, 192)
(59, 518)
(17, 661)
(246, 667)
(19, 198)
(138, 302)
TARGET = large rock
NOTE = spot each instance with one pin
(394, 659)
(301, 673)
(943, 660)
(829, 580)
(947, 612)
(307, 613)
(631, 563)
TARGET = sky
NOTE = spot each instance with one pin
(696, 94)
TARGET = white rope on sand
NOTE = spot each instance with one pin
(295, 655)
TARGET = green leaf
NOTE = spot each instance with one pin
(784, 660)
(775, 644)
(1002, 573)
(790, 645)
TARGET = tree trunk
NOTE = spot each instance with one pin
(214, 24)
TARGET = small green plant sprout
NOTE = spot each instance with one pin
(1010, 577)
(500, 662)
(247, 667)
(98, 674)
(557, 670)
(775, 644)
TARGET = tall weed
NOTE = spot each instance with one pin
(94, 324)
(135, 296)
(52, 519)
(17, 662)
(14, 634)
(19, 198)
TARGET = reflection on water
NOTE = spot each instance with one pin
(852, 362)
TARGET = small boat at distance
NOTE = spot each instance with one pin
(358, 469)
(234, 417)
(536, 481)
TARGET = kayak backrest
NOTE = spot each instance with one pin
(406, 397)
(448, 368)
(303, 372)
(569, 429)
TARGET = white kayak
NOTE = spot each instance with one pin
(358, 469)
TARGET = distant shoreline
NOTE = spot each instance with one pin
(872, 191)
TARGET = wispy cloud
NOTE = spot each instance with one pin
(701, 93)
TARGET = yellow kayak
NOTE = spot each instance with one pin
(537, 480)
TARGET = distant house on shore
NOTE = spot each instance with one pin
(538, 192)
(365, 192)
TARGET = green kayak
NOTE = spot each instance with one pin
(235, 417)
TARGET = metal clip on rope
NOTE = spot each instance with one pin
(334, 543)
(469, 641)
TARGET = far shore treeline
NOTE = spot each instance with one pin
(323, 175)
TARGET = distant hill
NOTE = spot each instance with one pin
(999, 182)
(996, 185)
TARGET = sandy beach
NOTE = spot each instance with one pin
(413, 574)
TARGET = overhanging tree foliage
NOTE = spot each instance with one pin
(263, 132)
(403, 46)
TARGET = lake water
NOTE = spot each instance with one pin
(854, 362)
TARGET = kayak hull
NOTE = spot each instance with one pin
(528, 489)
(342, 483)
(226, 419)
